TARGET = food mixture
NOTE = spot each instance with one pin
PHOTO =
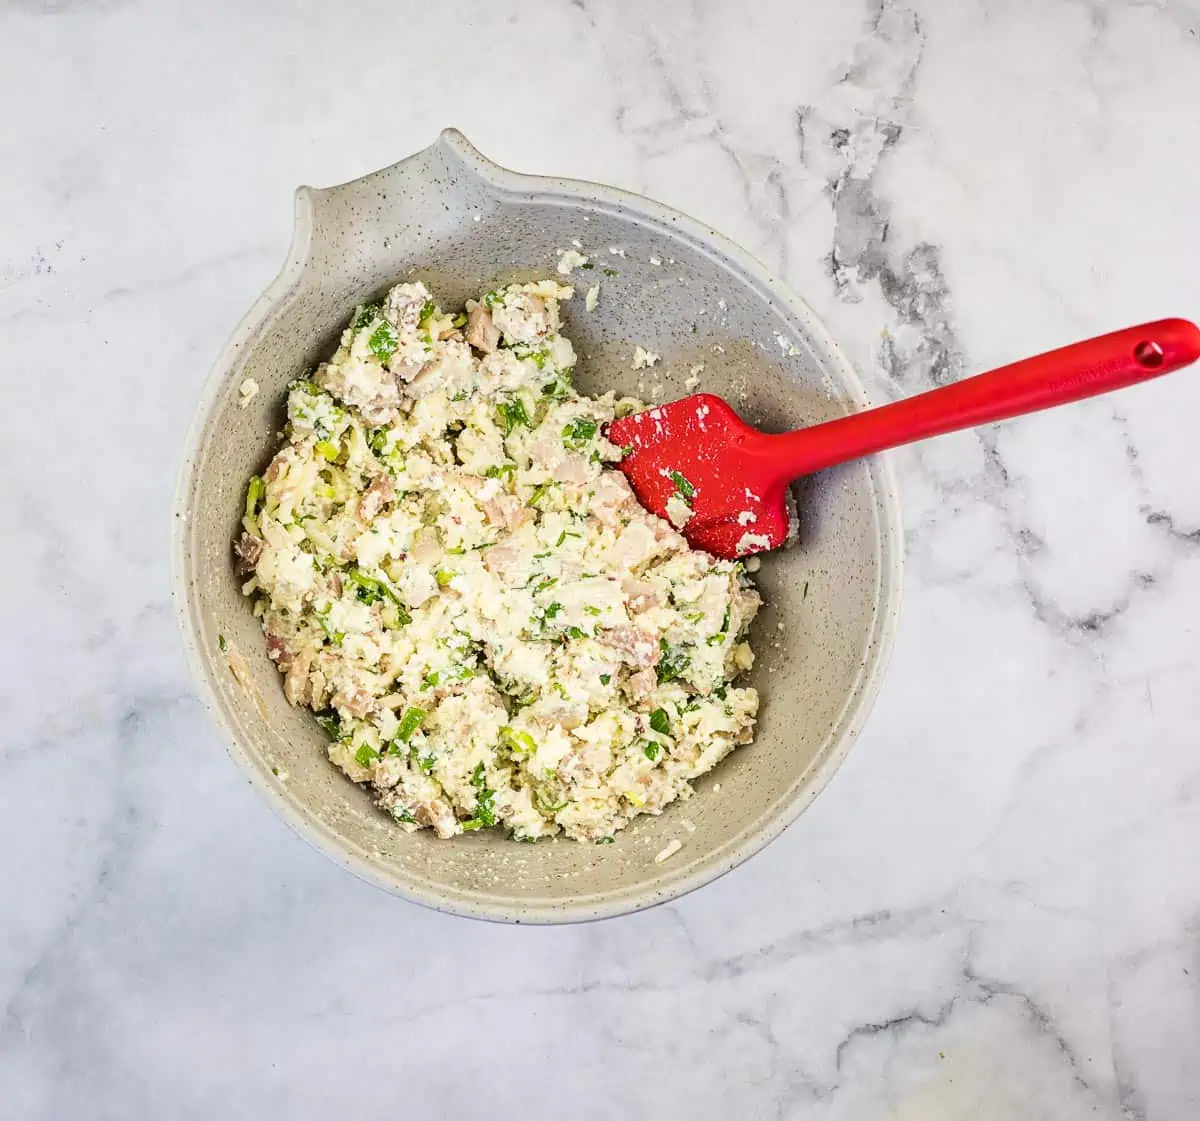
(451, 575)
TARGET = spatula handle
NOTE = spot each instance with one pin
(1057, 377)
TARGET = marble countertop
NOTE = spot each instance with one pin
(994, 910)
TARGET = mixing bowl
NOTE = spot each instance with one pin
(667, 283)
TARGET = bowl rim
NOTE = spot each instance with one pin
(453, 144)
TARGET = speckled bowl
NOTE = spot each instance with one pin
(463, 224)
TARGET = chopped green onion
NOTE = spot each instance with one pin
(673, 661)
(255, 493)
(366, 755)
(686, 491)
(605, 678)
(496, 472)
(327, 451)
(221, 643)
(485, 812)
(409, 723)
(367, 314)
(650, 750)
(519, 743)
(511, 413)
(426, 763)
(576, 632)
(430, 680)
(332, 723)
(604, 840)
(579, 432)
(383, 341)
(428, 311)
(460, 320)
(443, 576)
(553, 610)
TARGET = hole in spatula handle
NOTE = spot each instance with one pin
(1148, 355)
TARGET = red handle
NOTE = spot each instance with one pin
(1056, 378)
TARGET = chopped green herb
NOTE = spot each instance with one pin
(592, 610)
(650, 749)
(457, 551)
(496, 472)
(717, 639)
(605, 678)
(383, 341)
(460, 320)
(686, 491)
(402, 815)
(579, 432)
(222, 643)
(409, 723)
(366, 755)
(673, 661)
(327, 451)
(443, 576)
(491, 299)
(611, 272)
(426, 762)
(604, 840)
(576, 632)
(367, 314)
(255, 493)
(547, 582)
(587, 265)
(720, 691)
(519, 743)
(332, 723)
(430, 680)
(511, 413)
(538, 492)
(485, 811)
(428, 311)
(660, 722)
(368, 590)
(553, 610)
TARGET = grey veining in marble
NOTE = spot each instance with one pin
(994, 911)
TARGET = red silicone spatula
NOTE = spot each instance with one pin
(733, 477)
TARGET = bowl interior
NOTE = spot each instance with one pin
(463, 226)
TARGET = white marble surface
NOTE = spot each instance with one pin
(993, 912)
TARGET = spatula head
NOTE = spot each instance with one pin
(697, 459)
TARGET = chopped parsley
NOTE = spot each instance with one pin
(553, 610)
(428, 311)
(500, 470)
(519, 743)
(604, 840)
(650, 750)
(222, 643)
(611, 272)
(460, 320)
(576, 632)
(425, 762)
(605, 678)
(660, 722)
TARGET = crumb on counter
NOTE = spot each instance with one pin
(592, 298)
(643, 359)
(570, 259)
(247, 391)
(672, 847)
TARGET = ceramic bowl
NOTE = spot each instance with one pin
(463, 225)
